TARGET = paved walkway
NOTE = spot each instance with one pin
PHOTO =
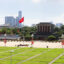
(33, 57)
(56, 58)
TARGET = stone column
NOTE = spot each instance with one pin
(42, 28)
(46, 28)
(50, 28)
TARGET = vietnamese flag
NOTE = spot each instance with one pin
(21, 20)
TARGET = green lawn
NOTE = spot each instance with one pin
(60, 60)
(23, 55)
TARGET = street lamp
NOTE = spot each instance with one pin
(23, 35)
(5, 39)
(23, 38)
(11, 56)
(5, 35)
(32, 42)
(32, 35)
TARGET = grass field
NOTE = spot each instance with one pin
(60, 60)
(29, 55)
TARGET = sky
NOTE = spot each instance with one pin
(33, 11)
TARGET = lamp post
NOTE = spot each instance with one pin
(32, 42)
(11, 56)
(23, 38)
(5, 39)
(32, 36)
(23, 35)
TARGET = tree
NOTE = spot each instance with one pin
(62, 27)
(4, 30)
(51, 38)
(0, 31)
(56, 29)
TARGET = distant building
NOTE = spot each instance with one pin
(10, 20)
(19, 25)
(14, 22)
(44, 30)
(20, 14)
(59, 25)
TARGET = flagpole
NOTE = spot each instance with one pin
(22, 21)
(23, 32)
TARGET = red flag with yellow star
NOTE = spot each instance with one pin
(21, 20)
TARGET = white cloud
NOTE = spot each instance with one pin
(36, 1)
(29, 22)
(39, 1)
(59, 19)
(60, 2)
